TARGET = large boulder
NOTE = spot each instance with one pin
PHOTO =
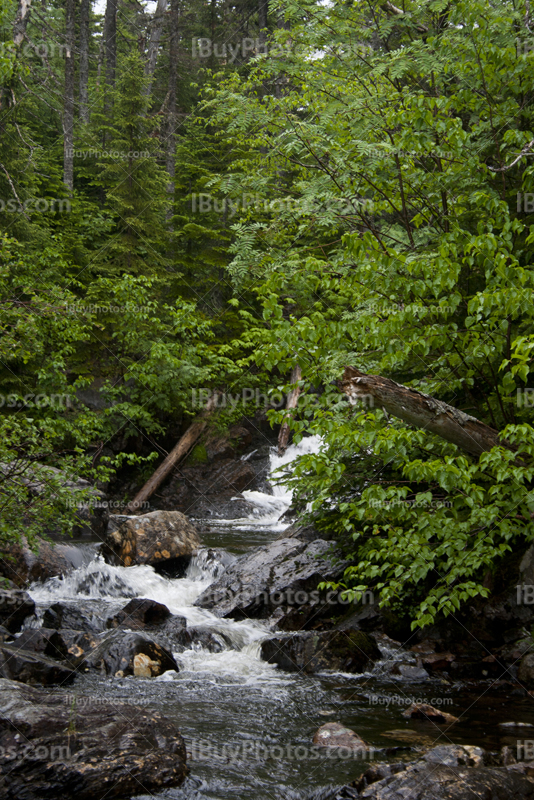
(140, 613)
(66, 615)
(120, 654)
(56, 747)
(280, 577)
(15, 606)
(309, 652)
(335, 736)
(154, 538)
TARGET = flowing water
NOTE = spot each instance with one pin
(249, 726)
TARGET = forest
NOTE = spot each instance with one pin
(328, 202)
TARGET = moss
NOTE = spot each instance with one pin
(198, 455)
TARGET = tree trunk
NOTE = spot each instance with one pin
(110, 36)
(68, 107)
(84, 60)
(292, 400)
(178, 452)
(21, 21)
(170, 139)
(263, 7)
(153, 45)
(422, 411)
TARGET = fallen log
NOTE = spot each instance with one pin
(422, 411)
(292, 400)
(179, 451)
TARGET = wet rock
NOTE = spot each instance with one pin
(201, 638)
(306, 533)
(120, 654)
(62, 615)
(33, 668)
(424, 781)
(437, 662)
(526, 670)
(410, 672)
(78, 644)
(428, 712)
(57, 748)
(160, 536)
(139, 613)
(456, 755)
(15, 606)
(309, 652)
(335, 735)
(23, 564)
(285, 572)
(42, 640)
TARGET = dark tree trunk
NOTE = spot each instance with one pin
(170, 138)
(153, 45)
(422, 411)
(263, 7)
(68, 107)
(110, 36)
(179, 451)
(85, 9)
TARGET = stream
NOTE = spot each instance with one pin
(249, 726)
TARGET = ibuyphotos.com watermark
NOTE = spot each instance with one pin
(39, 205)
(204, 203)
(262, 400)
(120, 154)
(249, 47)
(403, 700)
(292, 597)
(30, 752)
(59, 402)
(129, 308)
(252, 750)
(416, 503)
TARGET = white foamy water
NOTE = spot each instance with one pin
(270, 507)
(105, 583)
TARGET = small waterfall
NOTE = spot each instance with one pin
(110, 587)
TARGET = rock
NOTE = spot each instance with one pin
(424, 781)
(62, 615)
(33, 668)
(526, 670)
(15, 606)
(410, 672)
(309, 652)
(428, 712)
(436, 662)
(42, 640)
(78, 644)
(139, 613)
(306, 533)
(285, 572)
(456, 755)
(201, 638)
(335, 735)
(160, 536)
(121, 654)
(57, 747)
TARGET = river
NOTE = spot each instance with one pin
(248, 726)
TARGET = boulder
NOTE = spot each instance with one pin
(33, 668)
(430, 781)
(160, 536)
(140, 613)
(428, 712)
(63, 615)
(197, 638)
(526, 670)
(55, 747)
(15, 606)
(335, 735)
(309, 652)
(282, 574)
(47, 641)
(120, 654)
